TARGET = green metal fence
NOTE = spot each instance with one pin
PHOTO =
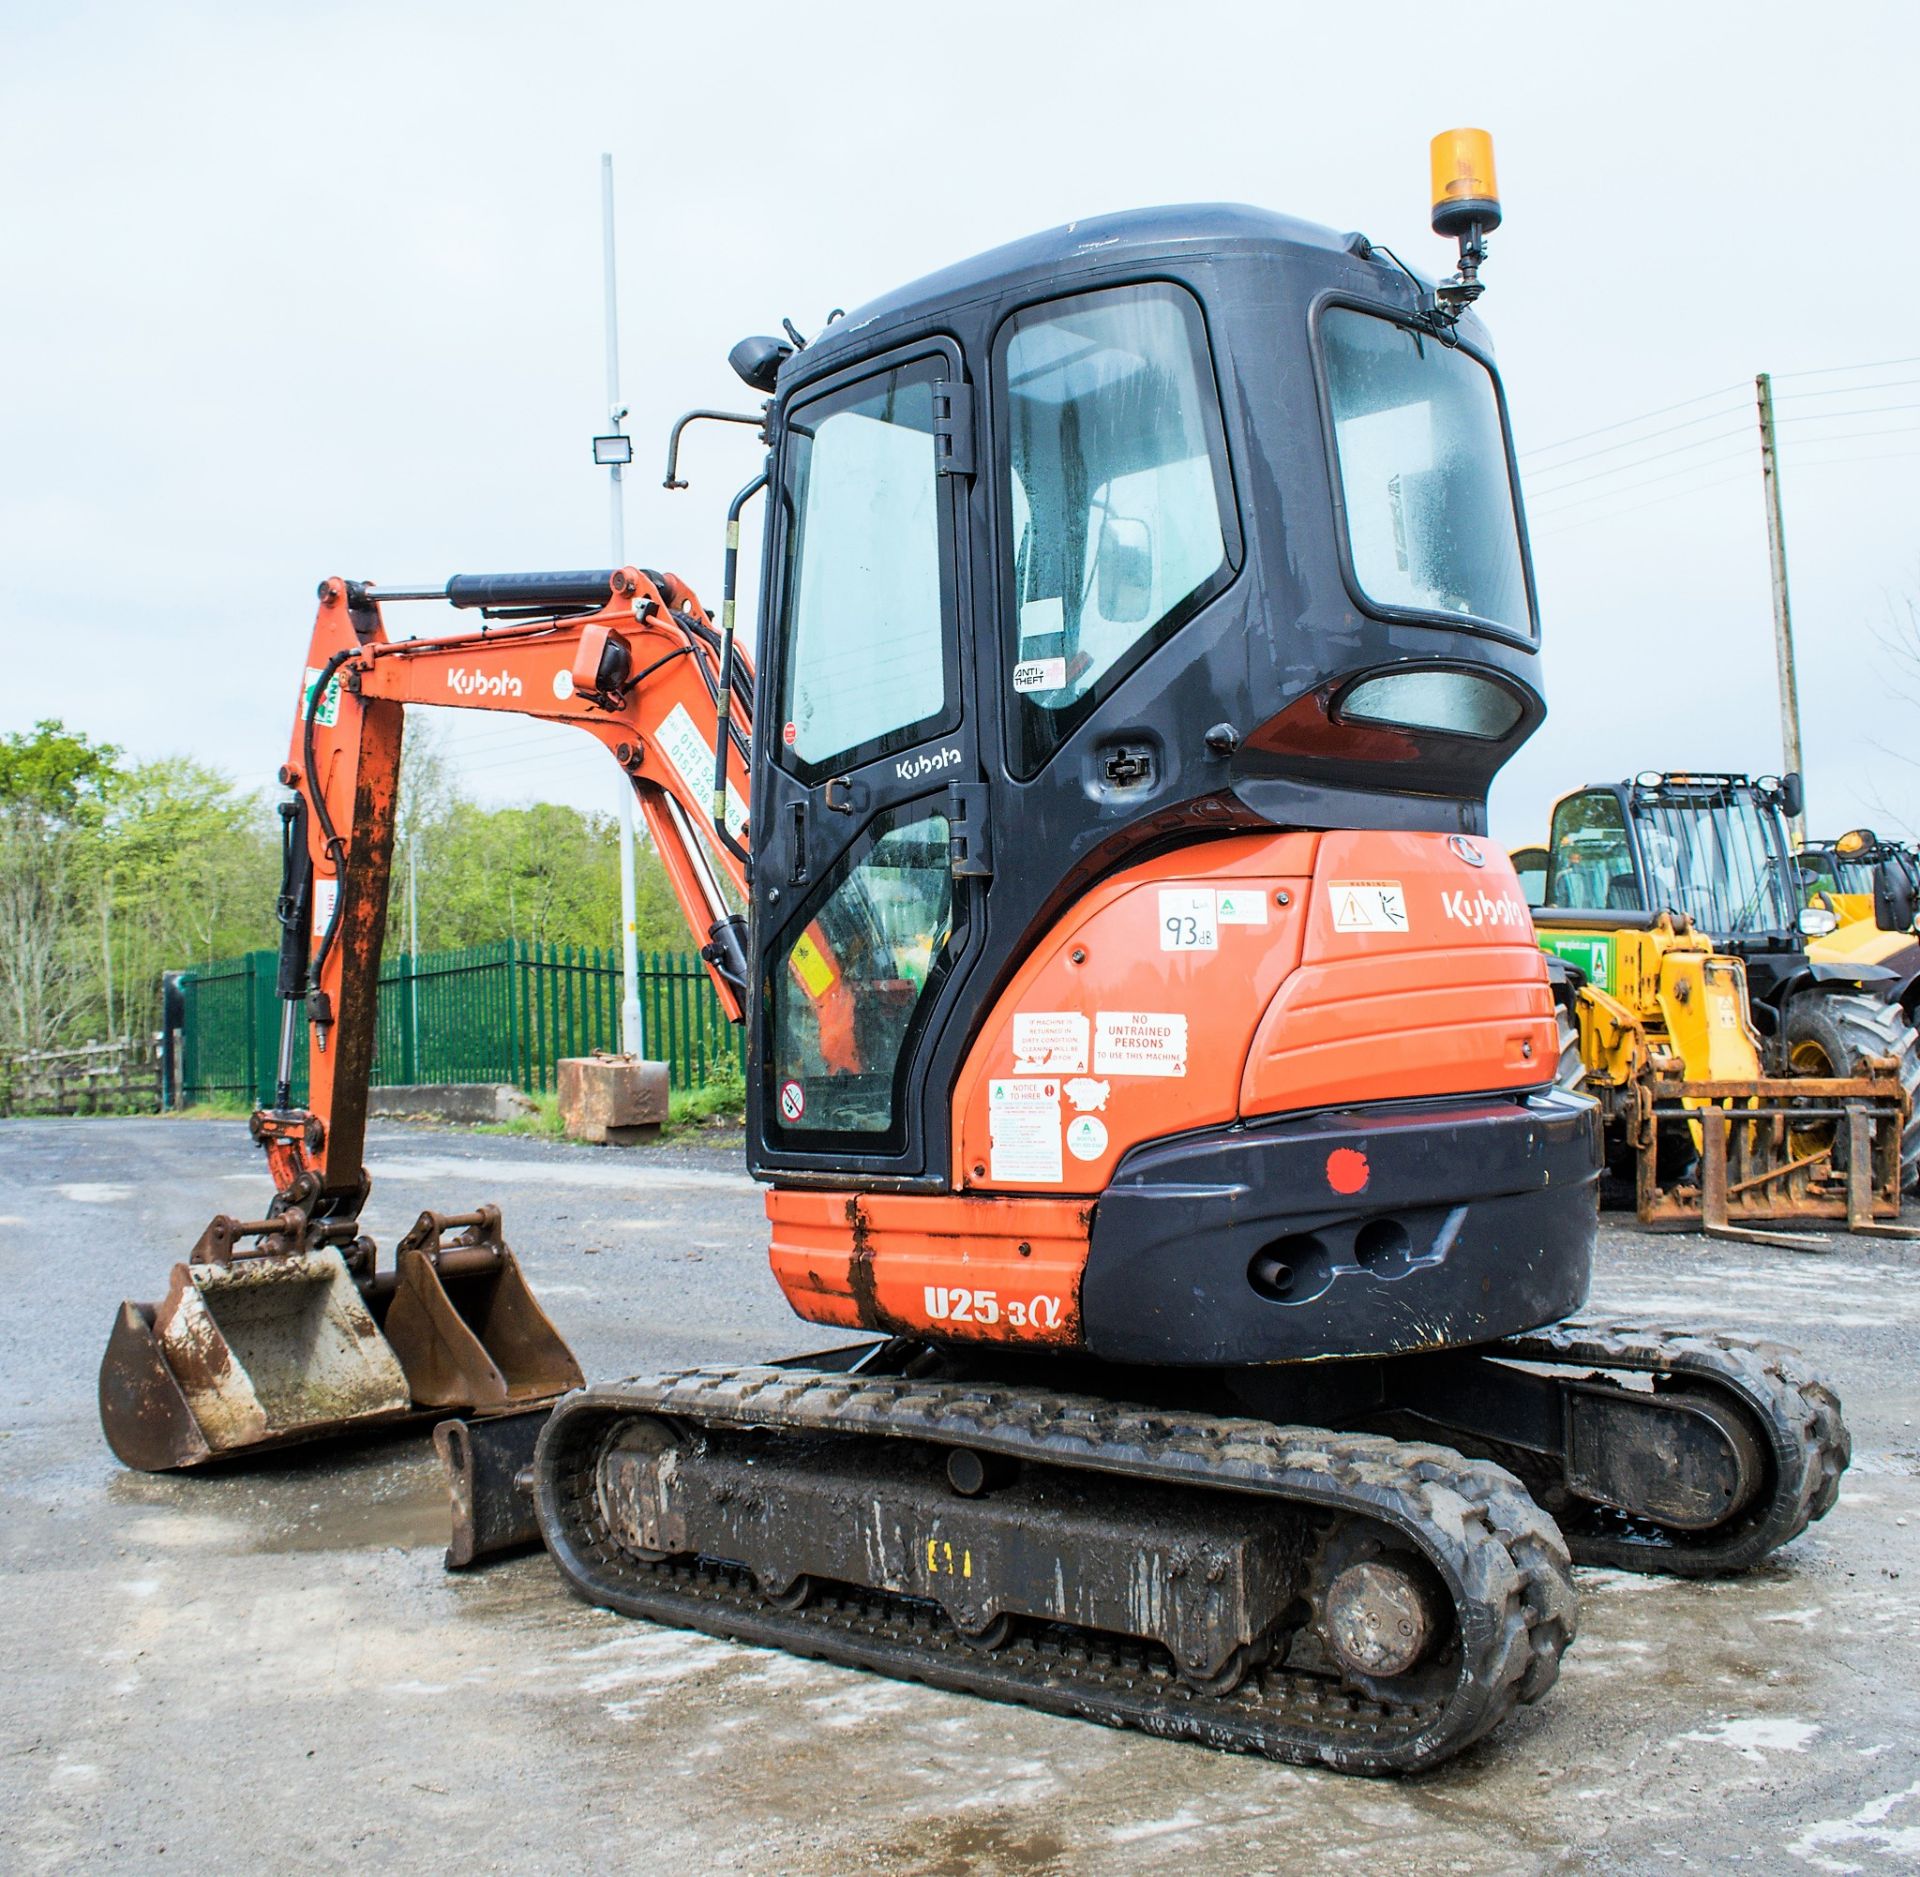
(505, 1012)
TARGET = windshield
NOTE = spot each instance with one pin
(1717, 855)
(1429, 504)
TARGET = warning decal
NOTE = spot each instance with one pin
(692, 755)
(1368, 906)
(810, 966)
(1139, 1042)
(325, 893)
(1050, 1042)
(1023, 1121)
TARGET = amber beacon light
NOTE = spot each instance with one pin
(1466, 207)
(1465, 192)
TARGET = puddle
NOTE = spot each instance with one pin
(413, 1517)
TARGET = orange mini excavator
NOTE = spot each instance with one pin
(1152, 1062)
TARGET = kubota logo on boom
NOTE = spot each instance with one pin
(479, 684)
(1478, 909)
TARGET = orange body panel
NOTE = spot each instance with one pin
(972, 1270)
(1456, 1003)
(1105, 958)
(1343, 968)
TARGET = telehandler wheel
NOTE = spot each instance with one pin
(1832, 1033)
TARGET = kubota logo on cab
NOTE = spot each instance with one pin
(1482, 908)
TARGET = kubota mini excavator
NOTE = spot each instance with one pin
(1151, 1059)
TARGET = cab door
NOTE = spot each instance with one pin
(871, 852)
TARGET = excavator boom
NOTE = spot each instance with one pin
(283, 1328)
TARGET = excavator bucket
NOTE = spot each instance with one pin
(465, 1325)
(281, 1340)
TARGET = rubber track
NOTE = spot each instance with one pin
(1804, 1433)
(1503, 1558)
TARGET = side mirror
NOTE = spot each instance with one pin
(758, 361)
(1855, 841)
(1793, 797)
(1123, 564)
(1893, 896)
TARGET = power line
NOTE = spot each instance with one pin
(1642, 482)
(1658, 501)
(1827, 371)
(1825, 417)
(1847, 391)
(1607, 449)
(1627, 423)
(1679, 449)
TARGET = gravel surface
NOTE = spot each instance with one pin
(268, 1667)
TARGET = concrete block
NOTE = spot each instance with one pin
(450, 1101)
(612, 1100)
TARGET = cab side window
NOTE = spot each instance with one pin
(1115, 486)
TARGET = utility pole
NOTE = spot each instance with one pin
(632, 1040)
(1782, 606)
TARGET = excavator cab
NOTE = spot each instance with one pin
(1165, 526)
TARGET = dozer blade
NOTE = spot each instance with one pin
(287, 1342)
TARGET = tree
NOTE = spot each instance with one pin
(54, 786)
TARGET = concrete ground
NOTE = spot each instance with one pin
(267, 1668)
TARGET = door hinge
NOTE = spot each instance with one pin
(953, 427)
(970, 842)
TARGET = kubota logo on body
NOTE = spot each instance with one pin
(479, 684)
(1482, 909)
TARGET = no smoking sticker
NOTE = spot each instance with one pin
(793, 1101)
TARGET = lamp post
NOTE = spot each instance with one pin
(614, 451)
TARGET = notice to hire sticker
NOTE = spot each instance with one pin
(1188, 921)
(1368, 906)
(1241, 905)
(1139, 1042)
(692, 755)
(1023, 1121)
(1050, 1042)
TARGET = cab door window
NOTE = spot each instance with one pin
(855, 983)
(867, 665)
(1116, 485)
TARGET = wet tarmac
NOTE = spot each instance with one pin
(268, 1668)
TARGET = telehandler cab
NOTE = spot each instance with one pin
(1151, 1063)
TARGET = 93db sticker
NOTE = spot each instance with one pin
(1368, 906)
(1188, 919)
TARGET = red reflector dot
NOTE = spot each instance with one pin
(1347, 1170)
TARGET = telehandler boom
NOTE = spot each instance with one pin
(1151, 1061)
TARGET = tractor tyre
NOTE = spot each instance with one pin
(1833, 1032)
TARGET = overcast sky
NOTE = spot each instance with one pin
(303, 289)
